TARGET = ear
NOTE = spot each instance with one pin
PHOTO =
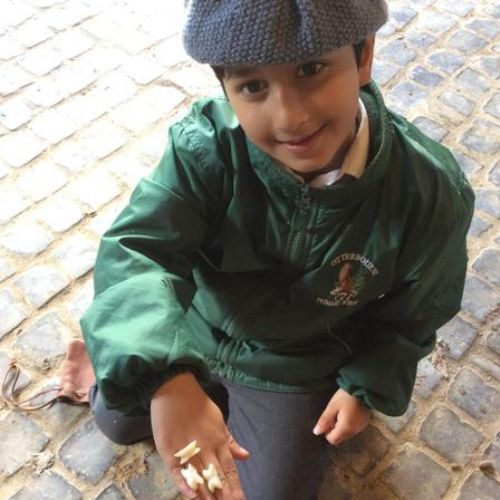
(366, 61)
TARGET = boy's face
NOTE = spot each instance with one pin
(303, 115)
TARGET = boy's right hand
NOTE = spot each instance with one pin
(181, 412)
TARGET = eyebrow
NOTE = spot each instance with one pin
(238, 71)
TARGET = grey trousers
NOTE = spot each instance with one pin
(287, 460)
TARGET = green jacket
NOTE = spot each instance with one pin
(225, 263)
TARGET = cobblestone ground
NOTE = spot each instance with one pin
(88, 88)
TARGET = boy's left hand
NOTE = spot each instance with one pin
(343, 418)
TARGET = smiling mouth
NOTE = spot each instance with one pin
(302, 144)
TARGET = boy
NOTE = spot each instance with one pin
(286, 265)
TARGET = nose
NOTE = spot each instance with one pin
(290, 113)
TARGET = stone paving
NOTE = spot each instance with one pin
(87, 90)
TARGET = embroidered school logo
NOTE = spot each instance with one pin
(354, 270)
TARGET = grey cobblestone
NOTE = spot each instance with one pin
(440, 430)
(33, 32)
(25, 238)
(170, 52)
(467, 164)
(143, 70)
(18, 148)
(53, 126)
(20, 438)
(487, 28)
(401, 16)
(60, 416)
(12, 78)
(448, 62)
(103, 220)
(65, 16)
(114, 89)
(110, 493)
(428, 378)
(479, 486)
(12, 312)
(76, 256)
(479, 298)
(495, 174)
(397, 424)
(493, 341)
(425, 77)
(397, 52)
(73, 77)
(458, 336)
(103, 59)
(488, 265)
(415, 475)
(44, 341)
(488, 201)
(472, 80)
(101, 139)
(60, 214)
(362, 452)
(147, 108)
(9, 48)
(13, 203)
(492, 453)
(405, 96)
(154, 484)
(493, 106)
(457, 102)
(430, 128)
(88, 453)
(95, 189)
(7, 269)
(437, 23)
(81, 301)
(490, 65)
(487, 365)
(44, 93)
(40, 283)
(478, 139)
(41, 60)
(84, 109)
(72, 43)
(48, 487)
(460, 8)
(466, 41)
(470, 393)
(15, 13)
(41, 180)
(420, 39)
(384, 72)
(14, 113)
(72, 156)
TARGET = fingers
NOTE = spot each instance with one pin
(340, 433)
(237, 451)
(327, 420)
(231, 483)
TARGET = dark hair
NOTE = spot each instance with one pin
(358, 51)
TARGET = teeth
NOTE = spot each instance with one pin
(193, 479)
(187, 452)
(212, 478)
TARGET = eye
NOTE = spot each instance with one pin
(310, 69)
(252, 87)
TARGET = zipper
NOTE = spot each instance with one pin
(298, 227)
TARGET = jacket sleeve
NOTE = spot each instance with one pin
(400, 328)
(135, 329)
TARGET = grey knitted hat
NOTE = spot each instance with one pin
(251, 32)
